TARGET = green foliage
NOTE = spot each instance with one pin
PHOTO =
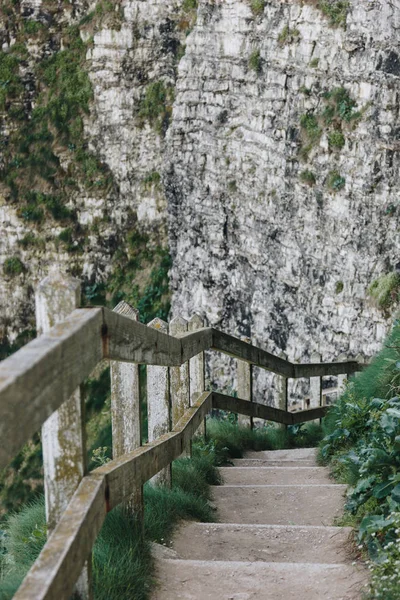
(257, 7)
(189, 5)
(336, 139)
(308, 177)
(255, 61)
(339, 287)
(385, 290)
(311, 128)
(288, 36)
(363, 446)
(30, 240)
(37, 205)
(152, 179)
(155, 105)
(122, 565)
(335, 181)
(54, 126)
(314, 63)
(342, 106)
(32, 27)
(13, 266)
(231, 441)
(335, 10)
(10, 83)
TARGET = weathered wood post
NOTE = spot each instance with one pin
(159, 405)
(282, 391)
(315, 385)
(196, 370)
(63, 434)
(126, 421)
(245, 386)
(342, 379)
(179, 379)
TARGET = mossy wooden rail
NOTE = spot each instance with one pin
(39, 378)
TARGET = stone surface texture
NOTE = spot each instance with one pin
(255, 250)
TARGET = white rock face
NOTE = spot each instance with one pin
(254, 249)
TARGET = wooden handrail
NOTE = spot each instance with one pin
(36, 380)
(56, 570)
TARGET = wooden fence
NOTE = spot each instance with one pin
(39, 387)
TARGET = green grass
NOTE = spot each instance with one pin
(13, 266)
(122, 565)
(335, 10)
(255, 61)
(385, 290)
(308, 177)
(231, 441)
(257, 7)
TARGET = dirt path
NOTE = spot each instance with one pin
(275, 539)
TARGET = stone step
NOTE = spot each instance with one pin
(223, 580)
(267, 462)
(294, 454)
(270, 543)
(279, 504)
(274, 475)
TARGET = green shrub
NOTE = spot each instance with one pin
(10, 83)
(155, 105)
(189, 5)
(255, 61)
(257, 6)
(362, 447)
(308, 177)
(385, 290)
(336, 139)
(310, 126)
(13, 266)
(288, 36)
(341, 106)
(335, 10)
(339, 287)
(314, 63)
(335, 181)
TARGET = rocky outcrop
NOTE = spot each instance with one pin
(283, 173)
(279, 162)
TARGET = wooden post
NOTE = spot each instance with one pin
(282, 391)
(179, 378)
(196, 370)
(342, 379)
(126, 418)
(159, 405)
(63, 434)
(245, 386)
(316, 386)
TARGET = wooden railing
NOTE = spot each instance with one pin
(44, 375)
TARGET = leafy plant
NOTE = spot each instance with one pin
(336, 139)
(311, 128)
(155, 105)
(288, 36)
(385, 290)
(335, 10)
(335, 181)
(255, 61)
(257, 7)
(13, 266)
(308, 177)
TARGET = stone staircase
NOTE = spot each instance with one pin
(275, 539)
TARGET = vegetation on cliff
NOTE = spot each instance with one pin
(363, 449)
